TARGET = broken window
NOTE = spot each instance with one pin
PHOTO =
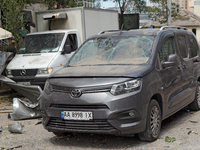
(182, 46)
(192, 46)
(114, 50)
(167, 49)
(41, 43)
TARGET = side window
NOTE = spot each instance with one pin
(182, 46)
(72, 41)
(166, 49)
(192, 46)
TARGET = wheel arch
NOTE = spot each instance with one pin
(158, 98)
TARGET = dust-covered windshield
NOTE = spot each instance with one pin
(41, 43)
(114, 50)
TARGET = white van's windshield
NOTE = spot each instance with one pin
(114, 50)
(41, 43)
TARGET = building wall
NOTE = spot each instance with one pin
(197, 32)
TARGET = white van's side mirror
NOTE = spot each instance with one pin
(67, 49)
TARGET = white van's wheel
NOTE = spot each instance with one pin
(153, 124)
(195, 105)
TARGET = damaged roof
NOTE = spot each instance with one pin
(188, 19)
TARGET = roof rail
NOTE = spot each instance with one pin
(178, 27)
(102, 32)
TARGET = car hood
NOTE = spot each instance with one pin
(104, 71)
(30, 61)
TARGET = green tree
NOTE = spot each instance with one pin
(12, 18)
(63, 3)
(160, 12)
(66, 3)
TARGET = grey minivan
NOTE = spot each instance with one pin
(124, 83)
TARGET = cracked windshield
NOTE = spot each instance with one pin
(43, 43)
(114, 50)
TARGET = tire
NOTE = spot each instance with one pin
(153, 124)
(195, 105)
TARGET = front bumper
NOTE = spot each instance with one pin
(33, 80)
(111, 114)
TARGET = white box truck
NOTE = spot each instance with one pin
(46, 51)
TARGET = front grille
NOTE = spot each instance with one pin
(79, 125)
(27, 72)
(83, 90)
(61, 88)
(78, 107)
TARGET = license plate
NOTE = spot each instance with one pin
(24, 83)
(77, 115)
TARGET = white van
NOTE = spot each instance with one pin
(41, 54)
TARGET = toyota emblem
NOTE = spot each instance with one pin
(76, 93)
(23, 72)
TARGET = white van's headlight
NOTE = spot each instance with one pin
(45, 71)
(126, 87)
(9, 72)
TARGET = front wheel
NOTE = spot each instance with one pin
(153, 124)
(195, 105)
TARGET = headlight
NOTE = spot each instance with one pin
(9, 72)
(45, 71)
(126, 87)
(47, 88)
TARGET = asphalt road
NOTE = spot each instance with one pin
(184, 126)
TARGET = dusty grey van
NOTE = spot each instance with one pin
(124, 83)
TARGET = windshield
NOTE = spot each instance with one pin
(41, 43)
(114, 50)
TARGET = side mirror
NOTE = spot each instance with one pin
(172, 61)
(67, 49)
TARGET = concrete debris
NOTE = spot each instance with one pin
(15, 128)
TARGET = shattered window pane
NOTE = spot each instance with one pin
(43, 43)
(192, 45)
(114, 50)
(182, 46)
(167, 49)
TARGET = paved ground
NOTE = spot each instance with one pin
(184, 126)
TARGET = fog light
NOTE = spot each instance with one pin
(131, 114)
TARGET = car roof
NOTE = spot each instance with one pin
(52, 31)
(152, 32)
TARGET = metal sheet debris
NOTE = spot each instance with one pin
(32, 92)
(23, 109)
(15, 128)
(4, 57)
